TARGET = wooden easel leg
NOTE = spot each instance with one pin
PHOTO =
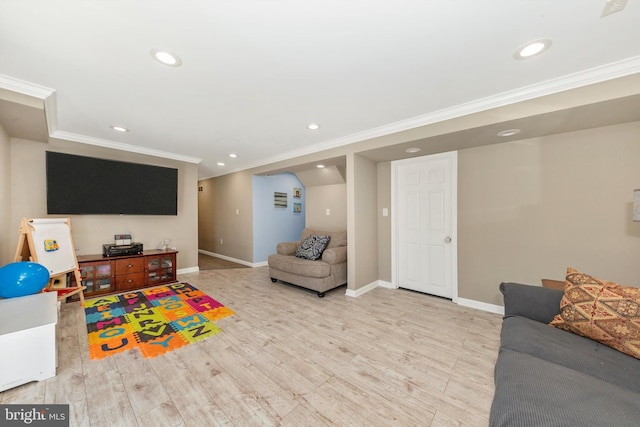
(78, 276)
(26, 251)
(65, 292)
(22, 250)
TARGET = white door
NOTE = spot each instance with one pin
(425, 223)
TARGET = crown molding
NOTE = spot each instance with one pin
(588, 77)
(74, 137)
(51, 113)
(25, 87)
(48, 96)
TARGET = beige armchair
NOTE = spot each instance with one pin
(321, 275)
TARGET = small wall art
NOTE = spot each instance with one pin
(297, 207)
(279, 200)
(297, 192)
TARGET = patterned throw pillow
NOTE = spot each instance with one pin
(312, 247)
(603, 311)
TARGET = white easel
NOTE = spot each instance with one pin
(48, 242)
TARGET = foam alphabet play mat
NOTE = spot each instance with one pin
(155, 320)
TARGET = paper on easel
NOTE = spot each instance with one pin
(53, 245)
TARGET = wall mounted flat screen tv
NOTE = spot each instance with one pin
(87, 185)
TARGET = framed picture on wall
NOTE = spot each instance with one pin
(297, 192)
(279, 200)
(297, 207)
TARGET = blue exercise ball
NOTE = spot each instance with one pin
(22, 278)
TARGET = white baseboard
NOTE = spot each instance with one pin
(491, 308)
(478, 305)
(237, 261)
(384, 284)
(187, 270)
(354, 293)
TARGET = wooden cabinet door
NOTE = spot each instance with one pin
(97, 277)
(160, 269)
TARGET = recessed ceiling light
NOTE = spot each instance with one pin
(233, 156)
(533, 48)
(313, 126)
(220, 163)
(319, 166)
(509, 132)
(166, 58)
(119, 129)
(412, 150)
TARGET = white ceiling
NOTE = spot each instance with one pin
(256, 72)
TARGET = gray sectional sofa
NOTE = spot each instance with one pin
(545, 376)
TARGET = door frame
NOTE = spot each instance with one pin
(453, 156)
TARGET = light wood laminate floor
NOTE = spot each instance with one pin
(208, 262)
(287, 357)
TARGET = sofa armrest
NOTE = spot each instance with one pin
(287, 248)
(534, 302)
(335, 255)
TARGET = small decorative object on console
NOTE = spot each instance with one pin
(109, 249)
(122, 239)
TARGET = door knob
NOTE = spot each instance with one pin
(447, 239)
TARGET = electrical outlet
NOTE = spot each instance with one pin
(221, 241)
(613, 6)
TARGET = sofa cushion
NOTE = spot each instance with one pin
(338, 238)
(532, 302)
(603, 311)
(312, 247)
(571, 351)
(300, 266)
(532, 392)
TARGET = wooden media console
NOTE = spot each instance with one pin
(112, 275)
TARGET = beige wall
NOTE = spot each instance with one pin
(27, 177)
(362, 220)
(320, 198)
(528, 210)
(7, 245)
(384, 222)
(217, 217)
(221, 196)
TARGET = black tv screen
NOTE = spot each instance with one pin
(87, 185)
